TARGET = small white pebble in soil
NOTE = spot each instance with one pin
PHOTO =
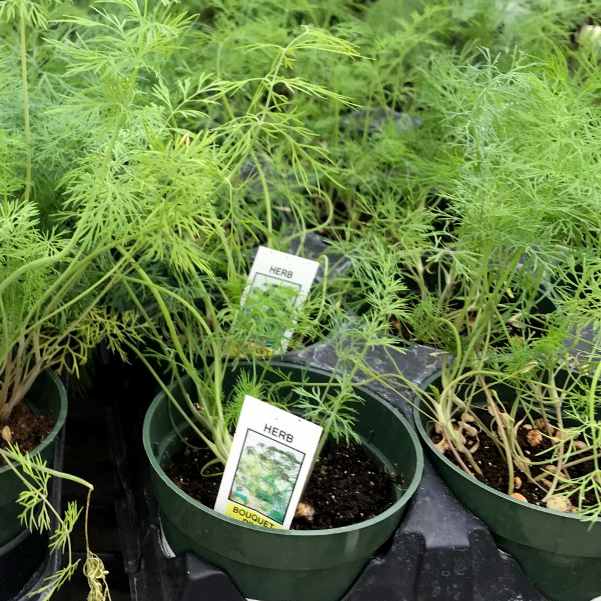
(517, 483)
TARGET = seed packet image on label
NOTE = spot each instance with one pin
(266, 476)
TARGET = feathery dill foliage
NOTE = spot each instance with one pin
(537, 27)
(524, 142)
(278, 163)
(265, 133)
(136, 194)
(28, 87)
(533, 26)
(176, 178)
(124, 202)
(146, 148)
(509, 147)
(155, 219)
(511, 153)
(139, 193)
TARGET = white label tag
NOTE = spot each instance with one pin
(268, 466)
(288, 276)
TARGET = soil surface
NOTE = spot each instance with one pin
(494, 467)
(348, 485)
(28, 430)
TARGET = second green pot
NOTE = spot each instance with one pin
(560, 554)
(47, 396)
(285, 565)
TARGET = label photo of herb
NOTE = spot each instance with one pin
(266, 476)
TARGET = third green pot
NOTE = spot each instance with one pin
(560, 554)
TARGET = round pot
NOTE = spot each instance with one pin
(284, 565)
(560, 554)
(47, 396)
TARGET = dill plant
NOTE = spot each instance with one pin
(155, 223)
(512, 167)
(546, 385)
(179, 149)
(522, 200)
(203, 399)
(62, 292)
(172, 144)
(246, 42)
(502, 265)
(138, 192)
(536, 27)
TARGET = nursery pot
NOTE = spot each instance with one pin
(284, 565)
(48, 397)
(560, 554)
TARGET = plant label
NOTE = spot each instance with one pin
(271, 458)
(278, 285)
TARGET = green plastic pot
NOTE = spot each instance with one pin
(48, 397)
(560, 554)
(284, 565)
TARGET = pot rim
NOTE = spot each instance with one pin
(392, 510)
(418, 418)
(60, 418)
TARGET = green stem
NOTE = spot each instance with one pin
(25, 100)
(267, 198)
(593, 409)
(10, 456)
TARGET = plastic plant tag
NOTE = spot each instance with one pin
(278, 285)
(271, 458)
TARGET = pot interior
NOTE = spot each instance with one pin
(381, 429)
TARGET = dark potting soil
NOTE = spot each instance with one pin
(27, 429)
(494, 467)
(348, 485)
